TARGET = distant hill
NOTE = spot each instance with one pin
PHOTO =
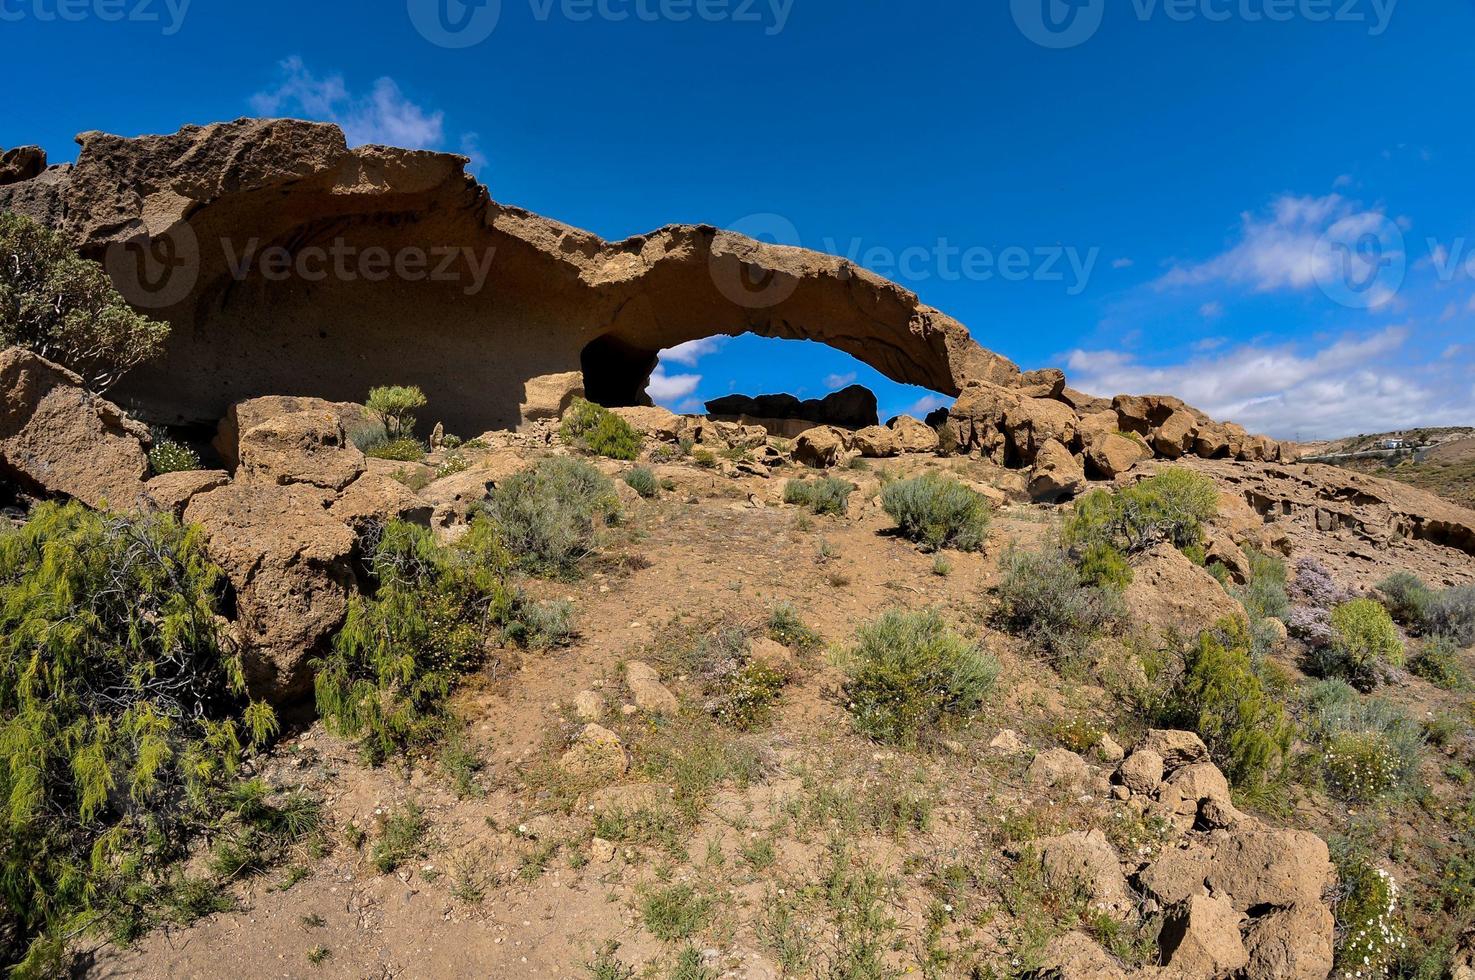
(1440, 460)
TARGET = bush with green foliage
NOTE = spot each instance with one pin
(938, 512)
(395, 407)
(1369, 923)
(827, 495)
(1407, 598)
(909, 672)
(541, 625)
(65, 308)
(1218, 694)
(404, 648)
(597, 430)
(1452, 614)
(169, 456)
(123, 716)
(1369, 747)
(643, 481)
(1172, 506)
(1437, 661)
(1045, 598)
(403, 450)
(550, 515)
(1265, 596)
(786, 627)
(1365, 645)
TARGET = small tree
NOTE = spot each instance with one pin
(395, 405)
(65, 308)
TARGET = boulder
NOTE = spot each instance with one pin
(1058, 768)
(1173, 438)
(59, 439)
(376, 499)
(309, 448)
(1143, 413)
(1044, 383)
(1057, 475)
(548, 396)
(589, 706)
(822, 447)
(656, 423)
(1142, 772)
(21, 163)
(1075, 956)
(1032, 422)
(1292, 944)
(651, 696)
(1174, 748)
(1085, 404)
(1087, 861)
(597, 754)
(1200, 938)
(1113, 454)
(1177, 874)
(738, 435)
(1196, 783)
(289, 563)
(911, 436)
(874, 442)
(1169, 592)
(246, 415)
(172, 492)
(1259, 866)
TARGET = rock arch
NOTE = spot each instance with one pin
(533, 307)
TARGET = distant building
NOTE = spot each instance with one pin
(1395, 444)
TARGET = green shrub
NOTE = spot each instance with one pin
(1437, 662)
(168, 456)
(909, 672)
(597, 430)
(550, 515)
(1452, 614)
(1365, 645)
(1219, 695)
(676, 912)
(1369, 747)
(1043, 597)
(541, 625)
(1407, 598)
(1104, 566)
(65, 308)
(403, 649)
(827, 495)
(123, 716)
(938, 512)
(643, 482)
(1265, 597)
(404, 450)
(395, 406)
(1172, 506)
(1369, 924)
(786, 627)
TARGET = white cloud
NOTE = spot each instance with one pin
(691, 351)
(928, 404)
(385, 115)
(1286, 247)
(1350, 385)
(835, 382)
(1212, 310)
(667, 388)
(1123, 264)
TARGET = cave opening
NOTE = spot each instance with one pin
(616, 372)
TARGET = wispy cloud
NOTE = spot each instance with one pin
(384, 115)
(691, 351)
(1350, 385)
(667, 389)
(835, 382)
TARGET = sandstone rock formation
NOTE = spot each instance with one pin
(850, 408)
(57, 438)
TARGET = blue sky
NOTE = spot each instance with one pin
(1264, 206)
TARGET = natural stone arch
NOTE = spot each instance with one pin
(490, 357)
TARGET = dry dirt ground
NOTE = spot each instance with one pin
(795, 849)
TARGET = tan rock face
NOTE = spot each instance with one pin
(1057, 475)
(875, 442)
(288, 561)
(246, 415)
(172, 492)
(62, 440)
(1058, 768)
(822, 447)
(1086, 860)
(1170, 592)
(1112, 454)
(375, 499)
(658, 423)
(308, 448)
(913, 436)
(1200, 938)
(550, 300)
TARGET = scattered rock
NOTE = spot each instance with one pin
(1059, 768)
(1174, 748)
(912, 436)
(1113, 454)
(1008, 742)
(1169, 592)
(875, 442)
(651, 696)
(172, 492)
(1107, 750)
(1086, 860)
(658, 423)
(597, 753)
(1075, 956)
(1057, 475)
(821, 447)
(60, 439)
(1293, 944)
(601, 851)
(589, 706)
(376, 499)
